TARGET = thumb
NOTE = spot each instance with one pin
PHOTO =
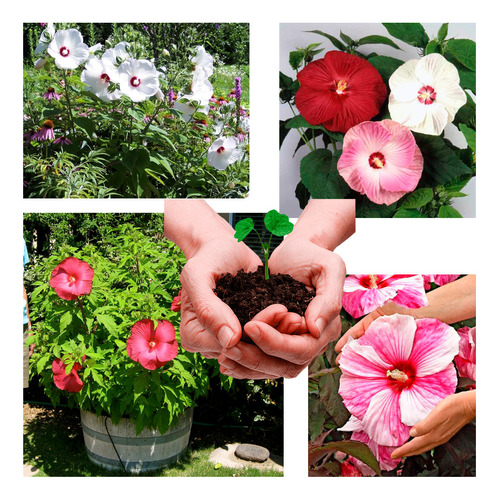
(213, 314)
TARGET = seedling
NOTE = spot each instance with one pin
(277, 224)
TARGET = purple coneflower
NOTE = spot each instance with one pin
(63, 140)
(51, 94)
(46, 132)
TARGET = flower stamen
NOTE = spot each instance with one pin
(64, 51)
(341, 86)
(377, 160)
(427, 95)
(135, 81)
(397, 375)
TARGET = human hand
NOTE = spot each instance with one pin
(208, 324)
(320, 269)
(445, 420)
(283, 346)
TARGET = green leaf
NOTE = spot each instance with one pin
(66, 320)
(418, 198)
(442, 32)
(411, 213)
(86, 124)
(300, 122)
(385, 65)
(355, 449)
(319, 174)
(377, 39)
(432, 47)
(365, 208)
(467, 79)
(446, 211)
(107, 322)
(441, 164)
(278, 224)
(412, 33)
(136, 159)
(464, 51)
(243, 228)
(331, 38)
(346, 39)
(296, 58)
(470, 136)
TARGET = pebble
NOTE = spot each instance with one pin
(252, 452)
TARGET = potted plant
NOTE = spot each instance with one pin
(107, 340)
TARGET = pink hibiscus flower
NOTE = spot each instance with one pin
(396, 373)
(466, 359)
(348, 469)
(72, 278)
(176, 303)
(70, 382)
(363, 293)
(151, 347)
(439, 279)
(381, 160)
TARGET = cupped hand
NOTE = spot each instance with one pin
(282, 347)
(208, 324)
(445, 420)
(317, 268)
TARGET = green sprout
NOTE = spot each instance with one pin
(276, 223)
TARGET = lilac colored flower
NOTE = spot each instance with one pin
(51, 94)
(171, 97)
(46, 132)
(237, 89)
(62, 140)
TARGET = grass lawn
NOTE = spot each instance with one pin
(53, 444)
(223, 81)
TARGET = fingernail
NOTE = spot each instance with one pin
(321, 324)
(413, 432)
(255, 332)
(234, 353)
(228, 363)
(225, 335)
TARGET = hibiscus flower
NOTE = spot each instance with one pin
(70, 382)
(381, 160)
(151, 347)
(138, 79)
(223, 152)
(396, 373)
(67, 49)
(439, 279)
(363, 293)
(72, 278)
(425, 94)
(339, 91)
(466, 358)
(97, 76)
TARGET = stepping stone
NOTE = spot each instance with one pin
(252, 452)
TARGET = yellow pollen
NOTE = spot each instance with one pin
(397, 375)
(378, 163)
(373, 281)
(152, 344)
(341, 86)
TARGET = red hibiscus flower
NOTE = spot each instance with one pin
(339, 91)
(176, 303)
(72, 278)
(70, 382)
(150, 347)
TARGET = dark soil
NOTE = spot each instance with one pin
(249, 293)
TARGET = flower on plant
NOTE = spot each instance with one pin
(96, 76)
(113, 57)
(46, 132)
(62, 139)
(68, 49)
(152, 347)
(51, 94)
(395, 374)
(138, 79)
(203, 63)
(70, 382)
(425, 94)
(381, 160)
(237, 88)
(348, 469)
(363, 293)
(439, 279)
(339, 91)
(72, 278)
(45, 38)
(176, 303)
(223, 152)
(466, 358)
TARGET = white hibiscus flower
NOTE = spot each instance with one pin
(68, 49)
(425, 94)
(223, 152)
(138, 79)
(96, 75)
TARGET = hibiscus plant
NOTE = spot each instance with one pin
(134, 110)
(374, 125)
(107, 335)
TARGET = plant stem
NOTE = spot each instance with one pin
(66, 93)
(305, 140)
(83, 314)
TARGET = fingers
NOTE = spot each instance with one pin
(213, 314)
(278, 317)
(327, 280)
(416, 446)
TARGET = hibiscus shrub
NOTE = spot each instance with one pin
(106, 335)
(126, 117)
(355, 417)
(375, 124)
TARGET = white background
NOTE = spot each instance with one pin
(419, 246)
(296, 35)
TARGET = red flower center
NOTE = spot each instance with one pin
(340, 86)
(105, 77)
(372, 281)
(401, 376)
(377, 160)
(64, 51)
(427, 95)
(220, 150)
(135, 81)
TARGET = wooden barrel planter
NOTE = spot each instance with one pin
(117, 447)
